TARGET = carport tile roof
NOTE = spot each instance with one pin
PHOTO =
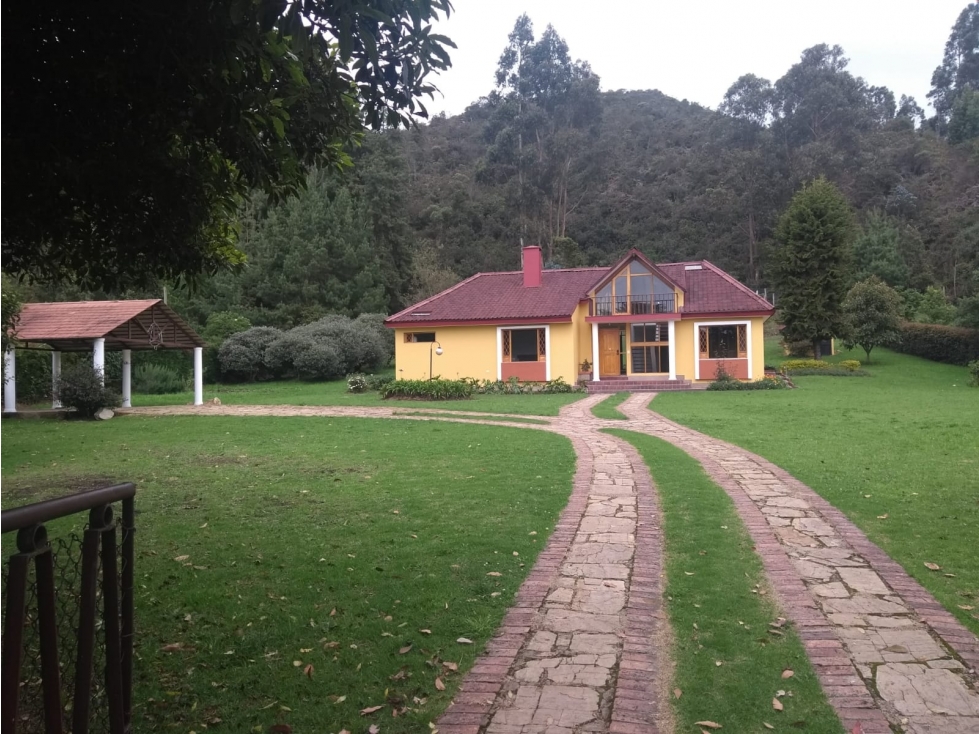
(76, 319)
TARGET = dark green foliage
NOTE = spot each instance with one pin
(939, 343)
(877, 251)
(427, 390)
(151, 379)
(10, 315)
(242, 356)
(964, 124)
(872, 314)
(33, 376)
(934, 308)
(811, 263)
(80, 389)
(974, 373)
(167, 114)
(959, 71)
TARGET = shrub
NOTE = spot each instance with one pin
(154, 379)
(850, 364)
(974, 373)
(357, 383)
(80, 389)
(220, 325)
(242, 356)
(767, 383)
(831, 372)
(805, 364)
(797, 348)
(34, 375)
(376, 382)
(359, 348)
(319, 362)
(374, 323)
(428, 389)
(937, 342)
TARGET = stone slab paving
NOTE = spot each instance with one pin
(887, 654)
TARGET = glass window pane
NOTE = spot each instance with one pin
(722, 342)
(637, 267)
(638, 333)
(523, 345)
(642, 285)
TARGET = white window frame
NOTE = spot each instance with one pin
(547, 347)
(696, 343)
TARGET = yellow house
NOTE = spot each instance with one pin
(635, 325)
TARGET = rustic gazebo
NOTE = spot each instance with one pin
(97, 326)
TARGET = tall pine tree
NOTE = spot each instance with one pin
(811, 263)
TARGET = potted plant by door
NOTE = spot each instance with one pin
(584, 371)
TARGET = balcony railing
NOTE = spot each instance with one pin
(633, 305)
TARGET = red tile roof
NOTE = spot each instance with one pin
(494, 297)
(68, 322)
(76, 319)
(710, 290)
(502, 296)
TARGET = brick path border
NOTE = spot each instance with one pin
(469, 710)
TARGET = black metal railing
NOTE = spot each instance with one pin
(68, 617)
(633, 305)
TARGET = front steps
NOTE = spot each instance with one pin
(624, 384)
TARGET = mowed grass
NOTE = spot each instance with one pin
(721, 610)
(360, 547)
(294, 392)
(898, 452)
(609, 408)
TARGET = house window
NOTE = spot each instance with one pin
(634, 290)
(419, 336)
(524, 345)
(724, 342)
(650, 348)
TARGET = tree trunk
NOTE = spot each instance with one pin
(815, 349)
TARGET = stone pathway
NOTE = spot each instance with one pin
(583, 648)
(885, 651)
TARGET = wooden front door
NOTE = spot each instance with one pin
(610, 359)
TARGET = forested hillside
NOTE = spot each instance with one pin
(550, 159)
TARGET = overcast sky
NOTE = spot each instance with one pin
(695, 50)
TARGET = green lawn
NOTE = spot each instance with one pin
(898, 452)
(609, 408)
(294, 392)
(308, 541)
(720, 610)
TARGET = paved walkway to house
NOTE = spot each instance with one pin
(585, 646)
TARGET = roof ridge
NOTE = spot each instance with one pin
(75, 303)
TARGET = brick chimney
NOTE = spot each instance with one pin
(532, 265)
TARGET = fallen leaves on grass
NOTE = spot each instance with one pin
(932, 566)
(777, 705)
(787, 673)
(767, 725)
(370, 710)
(404, 650)
(882, 517)
(494, 573)
(677, 693)
(439, 685)
(454, 667)
(708, 724)
(181, 559)
(464, 641)
(176, 647)
(308, 671)
(425, 632)
(373, 729)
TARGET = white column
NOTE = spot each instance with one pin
(55, 378)
(10, 381)
(594, 351)
(672, 338)
(547, 353)
(127, 378)
(198, 376)
(98, 357)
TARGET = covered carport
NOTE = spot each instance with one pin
(97, 327)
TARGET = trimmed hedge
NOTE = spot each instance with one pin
(816, 366)
(832, 371)
(939, 343)
(428, 390)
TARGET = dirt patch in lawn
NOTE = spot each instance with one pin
(21, 492)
